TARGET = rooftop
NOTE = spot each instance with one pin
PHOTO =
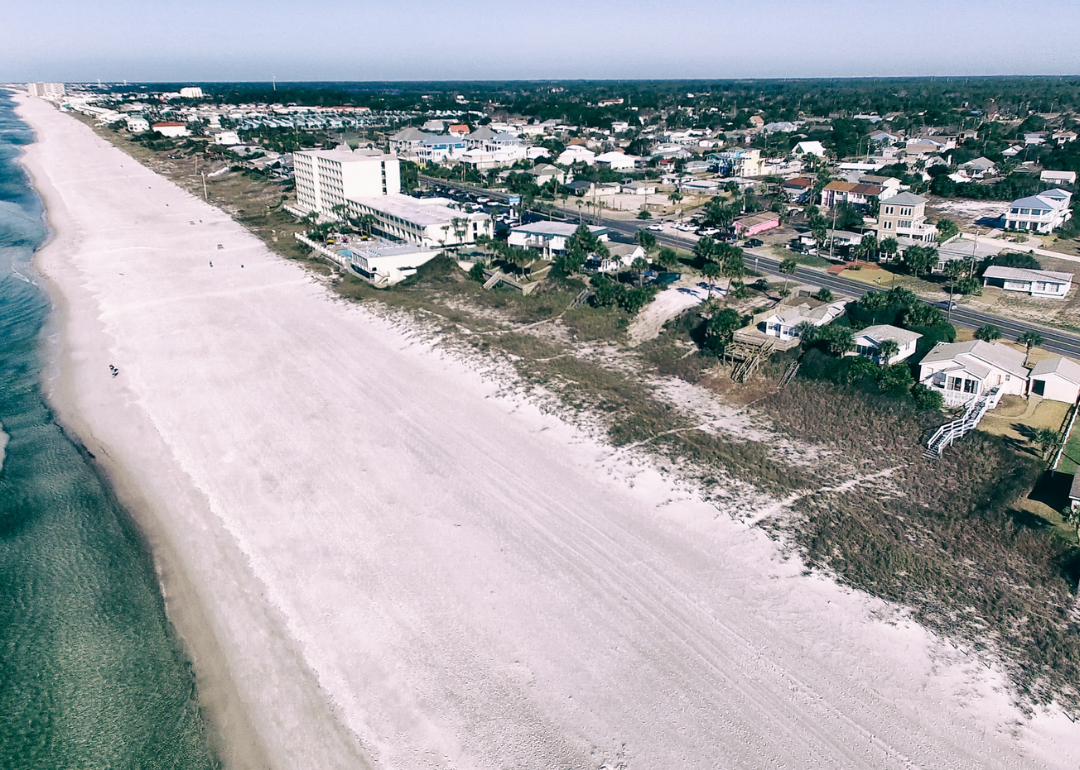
(883, 332)
(556, 229)
(999, 356)
(418, 211)
(905, 199)
(1063, 367)
(1024, 274)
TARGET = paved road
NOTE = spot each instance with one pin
(1055, 341)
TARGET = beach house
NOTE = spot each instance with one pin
(868, 343)
(1042, 284)
(962, 371)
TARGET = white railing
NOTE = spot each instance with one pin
(961, 426)
(337, 257)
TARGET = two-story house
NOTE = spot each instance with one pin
(1042, 213)
(903, 217)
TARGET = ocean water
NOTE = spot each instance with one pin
(91, 674)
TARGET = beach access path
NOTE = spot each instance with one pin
(396, 562)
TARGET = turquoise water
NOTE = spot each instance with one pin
(91, 675)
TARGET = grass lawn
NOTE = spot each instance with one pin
(1070, 458)
(1016, 419)
(808, 260)
(886, 279)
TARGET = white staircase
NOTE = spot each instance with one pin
(961, 426)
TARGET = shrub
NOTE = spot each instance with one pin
(720, 328)
(634, 300)
(607, 293)
(926, 398)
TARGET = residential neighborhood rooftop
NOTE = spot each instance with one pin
(1001, 356)
(1060, 366)
(882, 332)
(1026, 274)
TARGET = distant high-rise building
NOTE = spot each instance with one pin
(51, 91)
(191, 92)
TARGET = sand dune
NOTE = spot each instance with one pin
(401, 566)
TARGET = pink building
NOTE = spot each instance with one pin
(756, 223)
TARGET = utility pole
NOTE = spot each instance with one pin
(204, 194)
(832, 239)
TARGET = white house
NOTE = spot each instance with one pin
(639, 188)
(1058, 177)
(1044, 284)
(545, 172)
(1042, 213)
(617, 161)
(549, 237)
(869, 340)
(137, 124)
(784, 323)
(227, 138)
(173, 130)
(979, 168)
(440, 148)
(575, 153)
(962, 371)
(1057, 379)
(809, 148)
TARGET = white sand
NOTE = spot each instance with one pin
(398, 563)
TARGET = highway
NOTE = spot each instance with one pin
(1063, 343)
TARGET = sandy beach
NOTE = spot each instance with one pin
(379, 556)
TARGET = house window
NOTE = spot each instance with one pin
(971, 386)
(888, 209)
(954, 383)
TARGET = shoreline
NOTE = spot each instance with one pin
(555, 620)
(232, 739)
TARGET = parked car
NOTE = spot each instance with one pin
(753, 243)
(656, 227)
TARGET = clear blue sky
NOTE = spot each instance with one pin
(219, 40)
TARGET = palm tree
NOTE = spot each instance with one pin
(886, 351)
(1046, 439)
(705, 249)
(808, 333)
(988, 333)
(867, 246)
(461, 228)
(889, 247)
(1030, 340)
(639, 266)
(788, 267)
(710, 270)
(646, 239)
